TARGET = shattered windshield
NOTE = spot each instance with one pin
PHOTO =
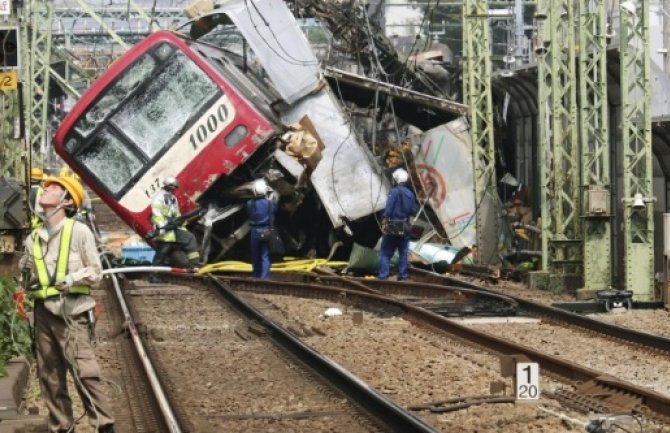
(111, 161)
(140, 116)
(154, 116)
(131, 78)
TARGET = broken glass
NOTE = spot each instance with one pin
(153, 117)
(111, 161)
(131, 78)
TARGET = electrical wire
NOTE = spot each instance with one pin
(332, 166)
(389, 102)
(288, 58)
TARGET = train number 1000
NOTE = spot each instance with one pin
(208, 126)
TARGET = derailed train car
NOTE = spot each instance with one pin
(172, 106)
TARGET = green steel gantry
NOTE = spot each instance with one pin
(577, 217)
(14, 155)
(558, 149)
(638, 201)
(593, 31)
(36, 15)
(574, 151)
(477, 96)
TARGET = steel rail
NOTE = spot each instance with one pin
(568, 370)
(382, 408)
(167, 413)
(412, 292)
(632, 336)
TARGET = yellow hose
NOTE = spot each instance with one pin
(288, 265)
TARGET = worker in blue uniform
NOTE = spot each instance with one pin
(261, 211)
(400, 206)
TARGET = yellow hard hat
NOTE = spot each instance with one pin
(71, 185)
(36, 174)
(65, 171)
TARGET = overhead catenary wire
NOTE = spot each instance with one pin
(287, 57)
(389, 102)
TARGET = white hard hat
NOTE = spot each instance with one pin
(260, 187)
(170, 182)
(400, 175)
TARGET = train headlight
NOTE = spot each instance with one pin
(164, 51)
(71, 145)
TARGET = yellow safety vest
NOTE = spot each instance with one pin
(167, 208)
(47, 288)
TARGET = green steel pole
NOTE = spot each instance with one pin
(595, 157)
(477, 95)
(638, 202)
(557, 92)
(36, 41)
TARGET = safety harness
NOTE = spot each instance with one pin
(47, 287)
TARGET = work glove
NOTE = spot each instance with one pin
(65, 284)
(272, 195)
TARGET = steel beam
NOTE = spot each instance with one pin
(36, 53)
(561, 235)
(593, 31)
(13, 154)
(638, 215)
(477, 96)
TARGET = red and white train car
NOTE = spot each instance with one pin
(169, 107)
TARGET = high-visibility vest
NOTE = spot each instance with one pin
(164, 207)
(47, 288)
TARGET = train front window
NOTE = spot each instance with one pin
(152, 117)
(142, 69)
(111, 161)
(140, 115)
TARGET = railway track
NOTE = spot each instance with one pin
(593, 390)
(221, 365)
(641, 340)
(581, 389)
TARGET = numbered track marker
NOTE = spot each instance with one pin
(527, 381)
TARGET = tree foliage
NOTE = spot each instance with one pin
(14, 331)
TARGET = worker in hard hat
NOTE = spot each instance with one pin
(522, 215)
(85, 212)
(400, 206)
(36, 177)
(65, 172)
(174, 244)
(261, 211)
(62, 260)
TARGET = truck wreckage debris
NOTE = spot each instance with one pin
(325, 139)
